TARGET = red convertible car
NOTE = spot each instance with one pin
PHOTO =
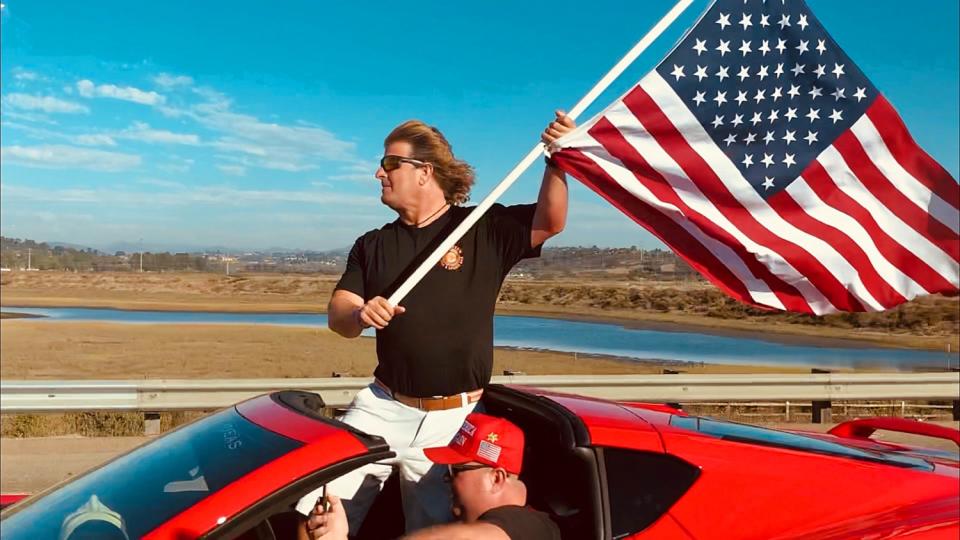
(603, 470)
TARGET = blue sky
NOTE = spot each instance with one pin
(253, 125)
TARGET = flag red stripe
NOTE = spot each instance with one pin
(910, 156)
(823, 185)
(671, 140)
(660, 225)
(883, 189)
(613, 141)
(791, 211)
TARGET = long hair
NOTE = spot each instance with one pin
(454, 176)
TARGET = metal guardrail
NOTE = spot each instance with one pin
(181, 395)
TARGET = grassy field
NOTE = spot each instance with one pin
(30, 349)
(927, 323)
(35, 350)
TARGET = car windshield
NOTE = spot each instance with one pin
(771, 437)
(132, 495)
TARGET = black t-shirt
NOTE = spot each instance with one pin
(443, 343)
(522, 523)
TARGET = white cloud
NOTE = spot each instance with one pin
(21, 74)
(216, 195)
(95, 139)
(269, 145)
(46, 104)
(43, 134)
(354, 177)
(177, 164)
(56, 156)
(167, 80)
(235, 170)
(88, 89)
(140, 131)
(161, 183)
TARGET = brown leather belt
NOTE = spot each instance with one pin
(434, 403)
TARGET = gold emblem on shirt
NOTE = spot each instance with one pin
(452, 259)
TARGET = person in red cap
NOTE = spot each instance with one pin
(483, 462)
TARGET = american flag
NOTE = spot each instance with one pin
(765, 158)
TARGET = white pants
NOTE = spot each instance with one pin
(407, 430)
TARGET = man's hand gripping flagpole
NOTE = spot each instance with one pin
(534, 154)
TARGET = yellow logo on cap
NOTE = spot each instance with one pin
(493, 437)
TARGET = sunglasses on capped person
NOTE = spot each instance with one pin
(454, 470)
(392, 163)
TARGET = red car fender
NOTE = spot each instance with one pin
(790, 490)
(10, 498)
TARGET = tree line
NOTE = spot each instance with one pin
(17, 254)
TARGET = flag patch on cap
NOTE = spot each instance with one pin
(489, 451)
(468, 428)
(459, 439)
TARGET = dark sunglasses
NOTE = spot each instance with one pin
(392, 163)
(454, 470)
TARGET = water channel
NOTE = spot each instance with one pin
(584, 338)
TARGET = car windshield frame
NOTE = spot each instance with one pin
(140, 490)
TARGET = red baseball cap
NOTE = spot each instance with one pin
(485, 439)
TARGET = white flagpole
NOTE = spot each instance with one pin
(532, 156)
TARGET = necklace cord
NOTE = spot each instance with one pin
(431, 216)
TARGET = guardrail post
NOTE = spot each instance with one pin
(820, 411)
(151, 423)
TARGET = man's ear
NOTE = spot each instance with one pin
(500, 478)
(427, 173)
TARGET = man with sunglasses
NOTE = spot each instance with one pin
(434, 352)
(489, 499)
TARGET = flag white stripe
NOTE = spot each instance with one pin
(819, 210)
(866, 132)
(759, 290)
(728, 173)
(888, 221)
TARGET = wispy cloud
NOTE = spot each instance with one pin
(354, 177)
(141, 131)
(177, 164)
(180, 196)
(88, 89)
(235, 170)
(161, 183)
(270, 145)
(167, 80)
(94, 139)
(26, 117)
(355, 172)
(22, 74)
(46, 104)
(68, 157)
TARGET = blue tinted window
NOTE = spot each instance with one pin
(134, 494)
(770, 437)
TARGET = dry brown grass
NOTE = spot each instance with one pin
(88, 350)
(86, 424)
(929, 322)
(169, 291)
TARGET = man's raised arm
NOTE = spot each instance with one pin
(551, 214)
